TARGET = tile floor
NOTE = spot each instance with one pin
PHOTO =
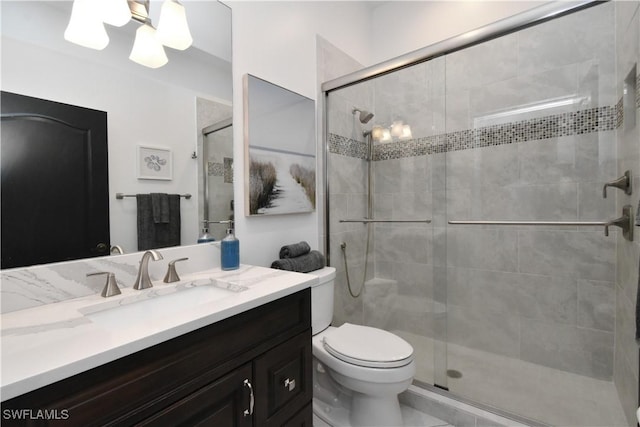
(546, 395)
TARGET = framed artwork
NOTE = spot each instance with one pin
(154, 163)
(280, 150)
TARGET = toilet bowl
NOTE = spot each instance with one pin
(358, 370)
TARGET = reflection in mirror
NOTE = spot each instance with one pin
(145, 107)
(280, 145)
(215, 170)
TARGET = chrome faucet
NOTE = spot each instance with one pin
(143, 281)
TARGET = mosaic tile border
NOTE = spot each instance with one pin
(598, 119)
(224, 170)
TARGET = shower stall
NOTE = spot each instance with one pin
(480, 198)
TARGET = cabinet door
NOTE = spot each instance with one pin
(283, 380)
(227, 401)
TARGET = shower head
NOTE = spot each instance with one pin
(365, 115)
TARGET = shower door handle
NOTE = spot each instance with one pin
(625, 222)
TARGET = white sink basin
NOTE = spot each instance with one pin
(127, 313)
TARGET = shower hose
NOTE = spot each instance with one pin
(343, 246)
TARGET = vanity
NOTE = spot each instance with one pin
(216, 348)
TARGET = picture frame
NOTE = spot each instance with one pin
(154, 163)
(280, 150)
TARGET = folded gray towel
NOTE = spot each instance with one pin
(294, 250)
(314, 260)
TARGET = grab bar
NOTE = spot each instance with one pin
(625, 222)
(367, 220)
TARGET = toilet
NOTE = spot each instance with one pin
(358, 370)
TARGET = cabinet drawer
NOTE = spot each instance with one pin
(283, 379)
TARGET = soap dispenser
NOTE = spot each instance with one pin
(230, 251)
(205, 237)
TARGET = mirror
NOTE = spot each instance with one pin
(215, 171)
(145, 107)
(280, 144)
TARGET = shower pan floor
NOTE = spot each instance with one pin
(548, 395)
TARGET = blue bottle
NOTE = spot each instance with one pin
(230, 251)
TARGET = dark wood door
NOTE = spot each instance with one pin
(55, 182)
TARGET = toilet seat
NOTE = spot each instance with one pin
(368, 347)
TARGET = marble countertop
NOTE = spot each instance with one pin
(45, 344)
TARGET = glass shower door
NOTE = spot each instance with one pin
(381, 171)
(530, 122)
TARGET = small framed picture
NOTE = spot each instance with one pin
(154, 163)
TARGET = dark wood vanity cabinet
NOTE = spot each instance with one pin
(253, 369)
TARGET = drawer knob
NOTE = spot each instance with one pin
(290, 384)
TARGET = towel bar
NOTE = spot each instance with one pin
(121, 196)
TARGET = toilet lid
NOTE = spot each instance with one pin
(369, 347)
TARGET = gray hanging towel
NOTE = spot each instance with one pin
(152, 234)
(160, 208)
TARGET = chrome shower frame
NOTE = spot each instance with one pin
(497, 29)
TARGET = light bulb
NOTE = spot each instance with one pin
(376, 133)
(386, 135)
(85, 26)
(396, 129)
(147, 50)
(173, 30)
(406, 132)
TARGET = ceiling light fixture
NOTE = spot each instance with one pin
(86, 27)
(173, 30)
(397, 130)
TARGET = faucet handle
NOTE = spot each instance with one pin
(111, 286)
(623, 183)
(172, 274)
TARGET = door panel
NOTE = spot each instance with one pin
(54, 176)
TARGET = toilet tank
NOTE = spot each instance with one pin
(322, 299)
